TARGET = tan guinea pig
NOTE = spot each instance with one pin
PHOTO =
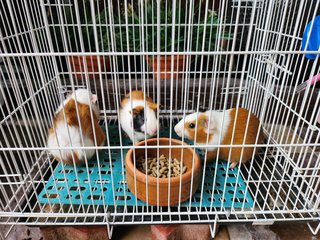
(188, 127)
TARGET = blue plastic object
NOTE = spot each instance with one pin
(314, 41)
(113, 177)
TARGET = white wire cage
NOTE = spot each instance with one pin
(235, 54)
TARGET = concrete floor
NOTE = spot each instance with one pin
(233, 232)
(293, 231)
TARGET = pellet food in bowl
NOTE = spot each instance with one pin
(162, 168)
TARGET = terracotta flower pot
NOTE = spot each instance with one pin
(78, 67)
(186, 184)
(179, 65)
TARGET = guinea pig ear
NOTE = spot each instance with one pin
(153, 106)
(94, 98)
(68, 95)
(205, 123)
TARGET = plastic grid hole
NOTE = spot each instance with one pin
(102, 184)
(74, 188)
(239, 200)
(215, 191)
(50, 196)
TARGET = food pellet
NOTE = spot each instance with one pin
(161, 168)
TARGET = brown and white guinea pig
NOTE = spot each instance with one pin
(188, 127)
(138, 120)
(63, 126)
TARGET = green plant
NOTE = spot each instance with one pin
(146, 28)
(206, 34)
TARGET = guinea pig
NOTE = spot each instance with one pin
(187, 127)
(63, 126)
(138, 120)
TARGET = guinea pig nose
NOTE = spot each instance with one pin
(178, 132)
(153, 132)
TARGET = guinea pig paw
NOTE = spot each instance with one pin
(233, 164)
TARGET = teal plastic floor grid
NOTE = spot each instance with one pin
(96, 187)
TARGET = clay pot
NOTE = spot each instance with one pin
(179, 65)
(186, 184)
(78, 67)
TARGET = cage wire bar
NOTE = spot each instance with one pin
(236, 54)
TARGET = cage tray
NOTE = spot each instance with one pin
(115, 191)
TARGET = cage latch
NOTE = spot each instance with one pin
(263, 222)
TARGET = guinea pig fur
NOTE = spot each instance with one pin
(138, 120)
(187, 128)
(64, 126)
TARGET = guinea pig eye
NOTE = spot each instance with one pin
(191, 125)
